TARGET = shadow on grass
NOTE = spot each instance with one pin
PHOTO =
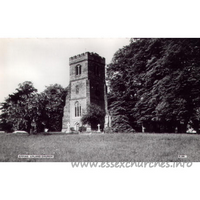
(57, 133)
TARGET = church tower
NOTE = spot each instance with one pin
(87, 86)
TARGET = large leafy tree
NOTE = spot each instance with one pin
(31, 111)
(51, 106)
(161, 77)
(19, 109)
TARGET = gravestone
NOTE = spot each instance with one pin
(68, 128)
(98, 128)
(88, 128)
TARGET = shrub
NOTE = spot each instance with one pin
(108, 130)
(94, 116)
(82, 129)
(72, 129)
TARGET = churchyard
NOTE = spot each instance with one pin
(124, 147)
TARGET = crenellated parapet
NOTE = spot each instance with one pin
(86, 56)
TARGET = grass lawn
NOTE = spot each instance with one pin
(122, 147)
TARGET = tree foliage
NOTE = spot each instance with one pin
(94, 116)
(31, 111)
(19, 109)
(156, 83)
(52, 102)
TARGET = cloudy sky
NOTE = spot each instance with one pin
(46, 61)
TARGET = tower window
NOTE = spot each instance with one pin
(96, 70)
(78, 69)
(77, 89)
(97, 93)
(77, 109)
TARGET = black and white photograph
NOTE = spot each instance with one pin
(99, 99)
(117, 100)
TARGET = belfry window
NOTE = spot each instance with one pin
(77, 109)
(78, 69)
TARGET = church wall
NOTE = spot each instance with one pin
(81, 89)
(66, 114)
(97, 80)
(84, 70)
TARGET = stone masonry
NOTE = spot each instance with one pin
(87, 85)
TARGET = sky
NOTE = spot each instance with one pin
(46, 61)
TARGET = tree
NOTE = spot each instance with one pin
(18, 110)
(51, 106)
(162, 76)
(27, 110)
(94, 116)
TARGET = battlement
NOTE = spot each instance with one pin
(87, 56)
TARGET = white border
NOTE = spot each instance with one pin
(97, 19)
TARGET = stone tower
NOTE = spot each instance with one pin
(87, 86)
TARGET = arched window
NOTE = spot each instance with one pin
(78, 69)
(77, 109)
